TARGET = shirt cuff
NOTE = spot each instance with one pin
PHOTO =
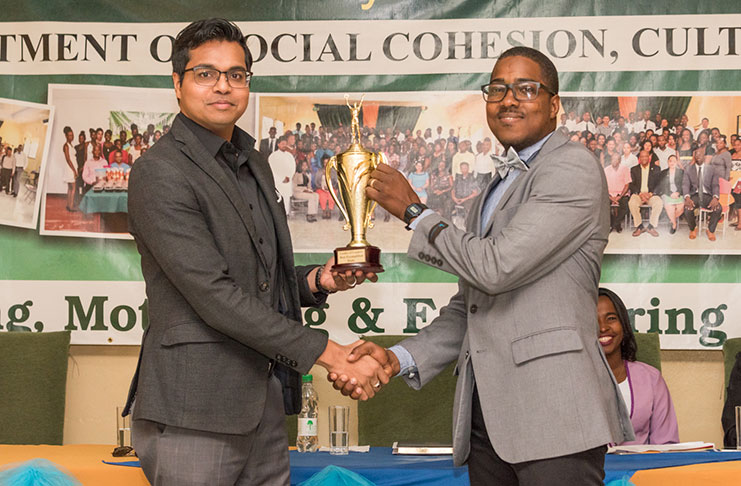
(425, 213)
(407, 365)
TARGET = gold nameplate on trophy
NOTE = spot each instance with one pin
(353, 167)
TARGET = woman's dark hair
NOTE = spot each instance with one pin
(628, 347)
(200, 32)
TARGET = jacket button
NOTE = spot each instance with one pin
(474, 308)
(261, 241)
(264, 286)
(421, 255)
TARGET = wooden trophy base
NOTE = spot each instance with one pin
(366, 258)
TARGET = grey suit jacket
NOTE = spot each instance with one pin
(212, 332)
(524, 320)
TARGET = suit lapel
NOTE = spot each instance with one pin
(556, 140)
(194, 150)
(263, 175)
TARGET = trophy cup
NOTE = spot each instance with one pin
(353, 167)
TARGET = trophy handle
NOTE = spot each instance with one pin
(379, 158)
(328, 175)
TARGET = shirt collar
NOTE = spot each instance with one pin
(213, 143)
(528, 152)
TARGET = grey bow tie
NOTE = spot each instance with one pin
(504, 165)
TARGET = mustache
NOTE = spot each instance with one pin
(509, 111)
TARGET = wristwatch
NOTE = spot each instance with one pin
(412, 211)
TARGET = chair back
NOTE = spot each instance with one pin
(731, 347)
(399, 413)
(649, 349)
(33, 382)
(724, 187)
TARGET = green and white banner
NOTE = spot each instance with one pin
(105, 65)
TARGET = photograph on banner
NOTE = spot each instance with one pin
(92, 150)
(442, 143)
(85, 193)
(24, 145)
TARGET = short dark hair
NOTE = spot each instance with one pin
(65, 130)
(628, 347)
(200, 32)
(547, 69)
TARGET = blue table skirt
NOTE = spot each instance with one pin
(386, 469)
(383, 468)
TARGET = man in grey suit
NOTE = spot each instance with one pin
(221, 360)
(535, 400)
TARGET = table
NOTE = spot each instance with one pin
(100, 202)
(380, 466)
(104, 202)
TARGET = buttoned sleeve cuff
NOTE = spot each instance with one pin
(408, 367)
(419, 218)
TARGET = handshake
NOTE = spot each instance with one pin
(360, 369)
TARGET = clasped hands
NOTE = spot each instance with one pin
(360, 369)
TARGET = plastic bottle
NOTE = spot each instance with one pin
(307, 440)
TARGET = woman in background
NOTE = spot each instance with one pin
(643, 389)
(420, 181)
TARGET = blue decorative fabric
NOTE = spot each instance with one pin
(619, 467)
(36, 472)
(336, 476)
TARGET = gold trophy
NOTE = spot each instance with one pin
(353, 167)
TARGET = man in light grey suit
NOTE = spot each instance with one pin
(221, 359)
(535, 400)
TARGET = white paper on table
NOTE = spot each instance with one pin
(679, 447)
(365, 448)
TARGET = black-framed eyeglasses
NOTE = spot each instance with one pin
(206, 76)
(522, 91)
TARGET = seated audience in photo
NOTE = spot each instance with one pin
(721, 160)
(736, 181)
(645, 178)
(118, 147)
(91, 165)
(326, 202)
(420, 181)
(441, 184)
(586, 124)
(648, 146)
(701, 189)
(733, 400)
(465, 188)
(663, 151)
(671, 191)
(464, 155)
(643, 389)
(618, 184)
(483, 164)
(628, 158)
(645, 123)
(302, 190)
(117, 162)
(607, 154)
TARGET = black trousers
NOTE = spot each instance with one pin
(617, 213)
(689, 214)
(486, 468)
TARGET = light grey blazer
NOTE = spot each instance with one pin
(524, 319)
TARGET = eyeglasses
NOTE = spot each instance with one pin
(205, 76)
(522, 91)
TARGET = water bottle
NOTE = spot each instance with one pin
(307, 440)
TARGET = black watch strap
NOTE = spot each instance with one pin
(412, 211)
